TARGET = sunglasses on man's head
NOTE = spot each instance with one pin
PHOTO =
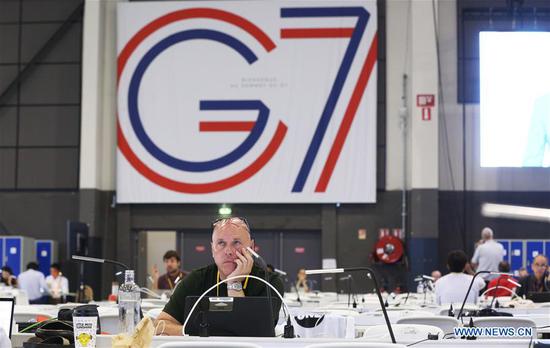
(223, 220)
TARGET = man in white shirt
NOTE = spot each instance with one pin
(488, 255)
(57, 284)
(452, 287)
(33, 283)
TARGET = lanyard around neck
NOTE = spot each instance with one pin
(218, 284)
(170, 281)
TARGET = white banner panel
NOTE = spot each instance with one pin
(247, 101)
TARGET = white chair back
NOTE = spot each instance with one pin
(504, 322)
(446, 324)
(208, 345)
(514, 322)
(355, 345)
(404, 333)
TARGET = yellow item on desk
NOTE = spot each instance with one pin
(141, 338)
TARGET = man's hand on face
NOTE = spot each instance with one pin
(244, 263)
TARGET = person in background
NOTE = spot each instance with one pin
(436, 275)
(301, 281)
(505, 282)
(468, 269)
(57, 284)
(167, 281)
(523, 272)
(452, 288)
(7, 277)
(487, 255)
(33, 283)
(539, 281)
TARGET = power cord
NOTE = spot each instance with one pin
(431, 337)
(37, 324)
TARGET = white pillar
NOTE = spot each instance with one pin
(98, 112)
(91, 104)
(424, 133)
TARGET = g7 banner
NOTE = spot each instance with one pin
(246, 102)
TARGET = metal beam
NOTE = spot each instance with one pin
(76, 14)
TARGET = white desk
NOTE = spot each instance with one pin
(104, 341)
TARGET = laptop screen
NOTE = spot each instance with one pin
(6, 315)
(230, 316)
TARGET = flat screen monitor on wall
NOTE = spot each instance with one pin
(514, 99)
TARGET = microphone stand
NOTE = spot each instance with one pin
(468, 292)
(489, 311)
(261, 262)
(96, 260)
(293, 285)
(470, 287)
(354, 291)
(348, 283)
(373, 275)
(495, 294)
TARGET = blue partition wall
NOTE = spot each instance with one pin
(44, 255)
(520, 253)
(533, 248)
(13, 250)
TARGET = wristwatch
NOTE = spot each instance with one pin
(235, 286)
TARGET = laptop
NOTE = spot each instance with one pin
(539, 297)
(6, 314)
(230, 316)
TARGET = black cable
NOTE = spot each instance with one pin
(441, 97)
(461, 228)
(354, 291)
(424, 340)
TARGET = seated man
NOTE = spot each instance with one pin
(167, 281)
(302, 281)
(539, 280)
(522, 272)
(57, 284)
(436, 275)
(230, 237)
(452, 287)
(32, 281)
(504, 282)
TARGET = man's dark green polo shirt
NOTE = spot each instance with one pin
(198, 281)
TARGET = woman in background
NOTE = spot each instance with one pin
(7, 277)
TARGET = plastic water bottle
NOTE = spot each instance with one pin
(129, 304)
